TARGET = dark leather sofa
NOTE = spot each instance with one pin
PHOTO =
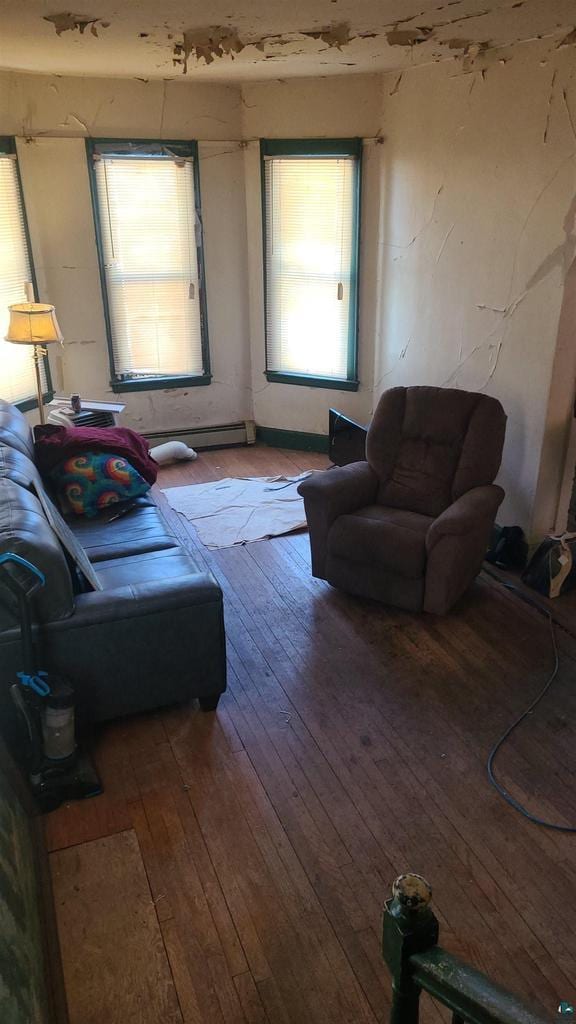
(153, 636)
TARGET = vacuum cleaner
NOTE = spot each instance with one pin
(58, 770)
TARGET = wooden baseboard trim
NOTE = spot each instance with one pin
(297, 440)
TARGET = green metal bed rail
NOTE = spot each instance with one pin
(417, 964)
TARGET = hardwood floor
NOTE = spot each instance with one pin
(350, 747)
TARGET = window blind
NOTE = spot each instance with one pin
(310, 264)
(147, 217)
(17, 378)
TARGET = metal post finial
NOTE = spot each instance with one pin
(409, 926)
(412, 892)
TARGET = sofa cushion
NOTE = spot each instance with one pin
(390, 538)
(15, 430)
(145, 568)
(141, 529)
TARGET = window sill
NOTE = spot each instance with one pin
(333, 383)
(28, 404)
(119, 387)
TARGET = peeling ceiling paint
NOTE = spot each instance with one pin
(335, 35)
(207, 44)
(568, 40)
(260, 39)
(457, 44)
(408, 36)
(67, 22)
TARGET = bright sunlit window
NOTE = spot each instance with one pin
(311, 196)
(17, 378)
(149, 236)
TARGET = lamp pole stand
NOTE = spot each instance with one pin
(38, 353)
(34, 323)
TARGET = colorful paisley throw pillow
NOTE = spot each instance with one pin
(93, 481)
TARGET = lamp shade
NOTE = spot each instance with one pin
(33, 323)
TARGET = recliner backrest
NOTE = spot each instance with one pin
(430, 445)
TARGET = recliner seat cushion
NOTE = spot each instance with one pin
(393, 539)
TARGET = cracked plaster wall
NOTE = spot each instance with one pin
(51, 117)
(468, 235)
(477, 236)
(56, 114)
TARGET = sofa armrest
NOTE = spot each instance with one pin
(333, 493)
(141, 599)
(140, 646)
(466, 514)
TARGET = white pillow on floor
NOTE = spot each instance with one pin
(172, 451)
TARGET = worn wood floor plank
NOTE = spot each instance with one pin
(350, 746)
(115, 964)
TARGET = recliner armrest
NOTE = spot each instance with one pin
(342, 489)
(466, 514)
(333, 493)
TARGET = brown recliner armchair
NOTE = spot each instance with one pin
(410, 525)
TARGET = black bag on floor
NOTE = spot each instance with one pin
(552, 568)
(508, 547)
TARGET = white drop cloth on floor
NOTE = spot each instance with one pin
(238, 511)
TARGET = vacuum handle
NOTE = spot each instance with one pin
(17, 588)
(18, 584)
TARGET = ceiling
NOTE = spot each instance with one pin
(259, 39)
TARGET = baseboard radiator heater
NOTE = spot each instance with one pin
(226, 435)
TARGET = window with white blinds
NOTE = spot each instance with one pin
(151, 260)
(311, 191)
(17, 378)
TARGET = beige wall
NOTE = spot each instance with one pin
(56, 115)
(50, 104)
(51, 117)
(468, 234)
(478, 234)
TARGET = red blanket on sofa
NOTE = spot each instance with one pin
(54, 444)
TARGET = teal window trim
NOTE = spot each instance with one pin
(144, 149)
(159, 383)
(307, 380)
(335, 148)
(29, 404)
(8, 148)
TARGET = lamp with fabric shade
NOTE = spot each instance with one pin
(34, 323)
